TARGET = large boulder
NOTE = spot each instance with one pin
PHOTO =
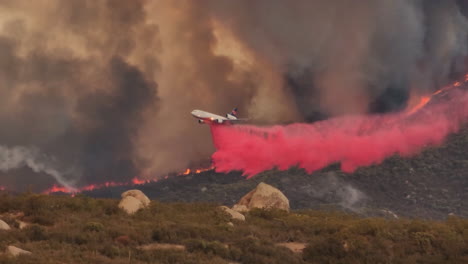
(4, 226)
(263, 196)
(232, 213)
(14, 251)
(133, 200)
(138, 195)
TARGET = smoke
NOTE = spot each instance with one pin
(17, 157)
(73, 87)
(352, 141)
(330, 188)
(107, 86)
(341, 57)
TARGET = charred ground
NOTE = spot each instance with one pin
(430, 185)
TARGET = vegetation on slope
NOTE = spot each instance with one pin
(86, 230)
(429, 185)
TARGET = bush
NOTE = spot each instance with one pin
(163, 234)
(268, 214)
(42, 219)
(110, 251)
(35, 233)
(93, 227)
(325, 250)
(207, 247)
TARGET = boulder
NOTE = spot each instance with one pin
(263, 196)
(131, 204)
(21, 224)
(138, 195)
(133, 200)
(232, 213)
(240, 208)
(14, 251)
(4, 226)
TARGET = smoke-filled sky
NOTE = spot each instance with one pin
(94, 91)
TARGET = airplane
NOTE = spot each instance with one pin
(209, 118)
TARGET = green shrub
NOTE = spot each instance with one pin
(45, 219)
(110, 251)
(324, 249)
(207, 247)
(268, 214)
(94, 227)
(35, 233)
(163, 234)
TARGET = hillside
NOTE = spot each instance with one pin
(430, 185)
(80, 229)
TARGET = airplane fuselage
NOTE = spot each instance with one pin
(209, 118)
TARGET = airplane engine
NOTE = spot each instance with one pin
(200, 121)
(219, 121)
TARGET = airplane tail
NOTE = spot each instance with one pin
(233, 114)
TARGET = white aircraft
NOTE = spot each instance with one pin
(209, 118)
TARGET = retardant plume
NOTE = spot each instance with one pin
(352, 141)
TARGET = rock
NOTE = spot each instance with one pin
(22, 224)
(133, 200)
(4, 226)
(131, 204)
(263, 196)
(230, 224)
(234, 214)
(138, 195)
(14, 251)
(295, 247)
(240, 208)
(162, 246)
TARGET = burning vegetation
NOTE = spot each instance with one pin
(133, 182)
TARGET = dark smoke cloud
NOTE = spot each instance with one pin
(102, 89)
(72, 87)
(107, 148)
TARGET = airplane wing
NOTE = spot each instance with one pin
(238, 119)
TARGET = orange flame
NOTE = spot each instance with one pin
(423, 100)
(134, 181)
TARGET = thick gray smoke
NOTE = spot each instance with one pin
(106, 86)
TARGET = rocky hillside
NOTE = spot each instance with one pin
(430, 185)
